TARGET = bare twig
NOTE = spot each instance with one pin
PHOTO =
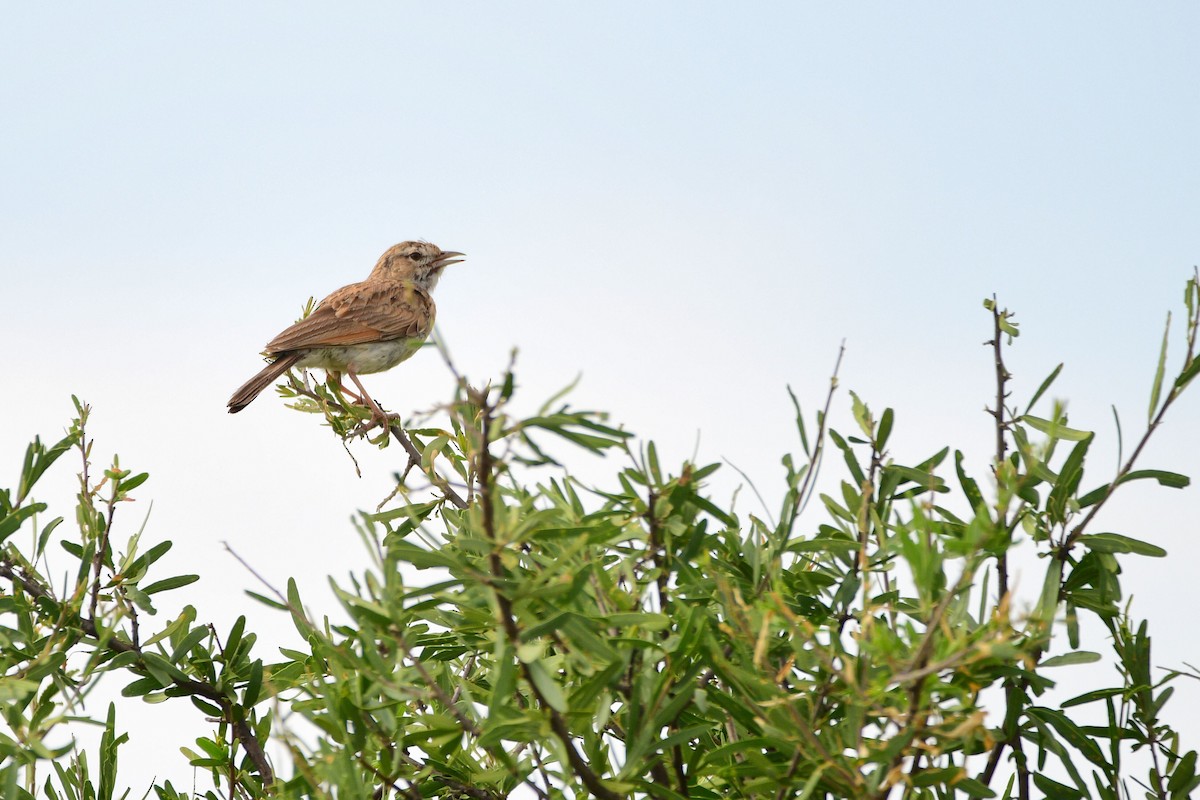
(1002, 378)
(1013, 688)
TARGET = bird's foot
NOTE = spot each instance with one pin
(378, 419)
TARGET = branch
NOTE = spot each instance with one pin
(194, 688)
(414, 459)
(484, 477)
(1002, 377)
(1013, 689)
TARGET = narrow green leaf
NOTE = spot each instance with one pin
(144, 561)
(547, 686)
(1048, 603)
(109, 742)
(1053, 790)
(38, 459)
(1053, 429)
(1183, 776)
(800, 422)
(1042, 389)
(253, 684)
(234, 639)
(1066, 659)
(10, 523)
(1068, 480)
(647, 621)
(926, 481)
(1156, 389)
(129, 484)
(824, 545)
(885, 429)
(267, 601)
(848, 454)
(1171, 479)
(1071, 732)
(1189, 372)
(1091, 697)
(969, 486)
(1116, 543)
(194, 637)
(170, 583)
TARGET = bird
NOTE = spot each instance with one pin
(362, 328)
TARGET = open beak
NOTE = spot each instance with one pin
(447, 258)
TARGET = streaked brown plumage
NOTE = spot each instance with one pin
(362, 328)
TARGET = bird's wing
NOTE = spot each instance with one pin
(371, 311)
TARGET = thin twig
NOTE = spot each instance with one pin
(1013, 688)
(414, 456)
(1002, 378)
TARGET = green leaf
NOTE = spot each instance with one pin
(885, 429)
(972, 788)
(1183, 777)
(1189, 372)
(1071, 733)
(969, 486)
(847, 453)
(547, 686)
(799, 422)
(647, 621)
(45, 534)
(267, 601)
(38, 459)
(254, 684)
(140, 687)
(1156, 389)
(1091, 697)
(109, 742)
(1048, 603)
(824, 544)
(10, 524)
(1053, 790)
(1116, 543)
(1068, 480)
(925, 480)
(1171, 479)
(194, 637)
(170, 583)
(1042, 389)
(1066, 659)
(234, 639)
(143, 562)
(682, 737)
(1054, 430)
(129, 484)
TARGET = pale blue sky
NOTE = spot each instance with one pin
(691, 204)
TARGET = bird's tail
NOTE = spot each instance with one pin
(250, 389)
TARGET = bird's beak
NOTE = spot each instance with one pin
(446, 258)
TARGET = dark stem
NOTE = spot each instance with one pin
(1002, 377)
(101, 547)
(1013, 689)
(484, 475)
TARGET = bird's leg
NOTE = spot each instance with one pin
(335, 378)
(380, 416)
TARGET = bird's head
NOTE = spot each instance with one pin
(419, 262)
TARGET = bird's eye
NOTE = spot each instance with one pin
(415, 255)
